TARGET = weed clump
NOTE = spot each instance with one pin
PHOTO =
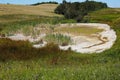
(58, 39)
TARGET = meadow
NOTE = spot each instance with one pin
(20, 61)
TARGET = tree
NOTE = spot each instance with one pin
(64, 2)
(77, 10)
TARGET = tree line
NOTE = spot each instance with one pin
(77, 10)
(50, 2)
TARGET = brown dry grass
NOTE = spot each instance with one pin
(42, 10)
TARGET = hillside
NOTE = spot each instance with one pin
(43, 9)
(17, 16)
(20, 61)
(108, 15)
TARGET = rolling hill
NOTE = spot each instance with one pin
(43, 9)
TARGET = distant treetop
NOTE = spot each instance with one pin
(64, 1)
(50, 2)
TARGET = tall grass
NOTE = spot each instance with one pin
(35, 70)
(58, 39)
(23, 50)
(19, 22)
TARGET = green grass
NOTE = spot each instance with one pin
(32, 70)
(58, 39)
(15, 22)
(19, 61)
(83, 30)
(103, 16)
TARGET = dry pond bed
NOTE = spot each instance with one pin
(79, 37)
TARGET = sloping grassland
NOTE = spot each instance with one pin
(42, 10)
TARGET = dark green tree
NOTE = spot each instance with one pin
(64, 2)
(78, 10)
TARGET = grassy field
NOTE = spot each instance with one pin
(20, 61)
(42, 10)
(103, 16)
(15, 17)
(13, 23)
